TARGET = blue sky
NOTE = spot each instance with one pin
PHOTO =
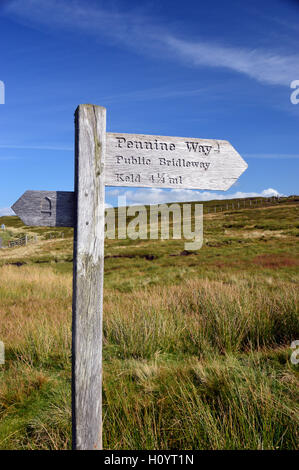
(218, 69)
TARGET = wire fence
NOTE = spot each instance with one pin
(53, 235)
(248, 204)
(22, 241)
(26, 239)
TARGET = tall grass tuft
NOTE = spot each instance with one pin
(200, 365)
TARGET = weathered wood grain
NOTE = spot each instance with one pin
(171, 162)
(90, 145)
(46, 208)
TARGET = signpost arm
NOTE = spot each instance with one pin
(90, 146)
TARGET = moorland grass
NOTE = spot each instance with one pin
(201, 365)
(196, 347)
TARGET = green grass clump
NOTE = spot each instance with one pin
(217, 403)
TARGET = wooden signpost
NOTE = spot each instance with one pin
(113, 160)
(171, 162)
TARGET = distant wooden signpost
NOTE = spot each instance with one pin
(113, 160)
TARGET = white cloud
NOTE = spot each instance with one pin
(142, 33)
(264, 66)
(160, 196)
(6, 211)
(88, 17)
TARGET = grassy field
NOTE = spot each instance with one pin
(196, 345)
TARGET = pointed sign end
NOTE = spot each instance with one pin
(15, 206)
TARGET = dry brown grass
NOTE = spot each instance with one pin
(35, 310)
(201, 364)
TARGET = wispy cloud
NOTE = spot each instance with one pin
(5, 158)
(89, 17)
(154, 93)
(160, 196)
(264, 66)
(37, 147)
(140, 32)
(6, 211)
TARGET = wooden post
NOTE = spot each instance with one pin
(90, 147)
(84, 210)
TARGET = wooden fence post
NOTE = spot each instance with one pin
(90, 147)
